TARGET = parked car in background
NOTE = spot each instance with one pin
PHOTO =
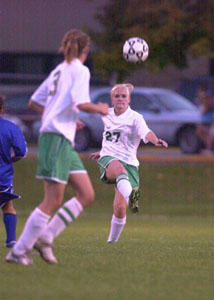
(171, 116)
(16, 108)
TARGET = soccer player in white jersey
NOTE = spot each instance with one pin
(123, 130)
(59, 99)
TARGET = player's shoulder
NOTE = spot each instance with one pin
(7, 124)
(79, 68)
(110, 117)
(84, 71)
(59, 67)
(136, 117)
(77, 64)
(53, 73)
(135, 114)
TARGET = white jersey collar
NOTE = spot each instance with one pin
(123, 115)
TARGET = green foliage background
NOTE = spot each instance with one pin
(172, 28)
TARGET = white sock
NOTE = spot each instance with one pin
(124, 186)
(117, 225)
(34, 226)
(65, 215)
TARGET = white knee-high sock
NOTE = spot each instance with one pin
(65, 215)
(34, 226)
(117, 225)
(124, 186)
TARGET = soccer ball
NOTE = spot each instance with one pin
(135, 50)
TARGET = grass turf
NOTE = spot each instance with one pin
(165, 251)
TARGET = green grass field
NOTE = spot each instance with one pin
(166, 251)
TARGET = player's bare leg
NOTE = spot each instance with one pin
(66, 214)
(119, 217)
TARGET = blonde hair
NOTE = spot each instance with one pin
(73, 43)
(128, 86)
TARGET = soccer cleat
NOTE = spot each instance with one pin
(46, 251)
(11, 244)
(24, 259)
(111, 242)
(133, 200)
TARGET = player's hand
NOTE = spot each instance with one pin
(15, 159)
(95, 156)
(103, 108)
(80, 125)
(161, 143)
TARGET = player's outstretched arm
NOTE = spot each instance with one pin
(151, 137)
(101, 108)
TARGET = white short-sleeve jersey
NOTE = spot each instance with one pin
(122, 135)
(66, 87)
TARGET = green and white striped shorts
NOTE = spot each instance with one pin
(57, 158)
(131, 170)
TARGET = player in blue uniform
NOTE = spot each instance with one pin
(11, 139)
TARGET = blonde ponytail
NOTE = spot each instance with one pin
(73, 43)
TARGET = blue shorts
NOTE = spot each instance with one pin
(6, 194)
(207, 118)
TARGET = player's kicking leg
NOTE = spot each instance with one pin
(134, 199)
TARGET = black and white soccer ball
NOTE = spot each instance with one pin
(135, 50)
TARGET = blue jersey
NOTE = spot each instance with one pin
(11, 138)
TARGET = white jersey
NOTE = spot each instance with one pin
(66, 87)
(122, 135)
